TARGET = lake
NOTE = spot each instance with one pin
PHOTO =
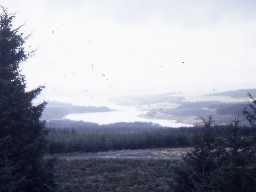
(121, 114)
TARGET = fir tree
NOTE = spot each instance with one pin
(22, 143)
(218, 163)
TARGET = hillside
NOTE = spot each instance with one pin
(58, 110)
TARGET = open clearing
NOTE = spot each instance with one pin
(114, 175)
(148, 170)
(142, 154)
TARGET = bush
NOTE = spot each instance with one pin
(218, 163)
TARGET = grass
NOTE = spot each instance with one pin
(114, 175)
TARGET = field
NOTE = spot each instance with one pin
(119, 171)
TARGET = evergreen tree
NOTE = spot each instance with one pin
(250, 111)
(194, 173)
(22, 143)
(218, 163)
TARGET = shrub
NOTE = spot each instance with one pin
(218, 163)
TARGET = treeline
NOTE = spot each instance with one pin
(68, 140)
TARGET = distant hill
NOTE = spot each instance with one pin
(150, 99)
(58, 110)
(122, 126)
(241, 93)
(70, 124)
(191, 112)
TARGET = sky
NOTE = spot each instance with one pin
(92, 50)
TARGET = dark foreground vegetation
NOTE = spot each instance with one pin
(23, 167)
(219, 163)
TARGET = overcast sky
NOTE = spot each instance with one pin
(90, 49)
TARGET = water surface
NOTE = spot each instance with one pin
(121, 114)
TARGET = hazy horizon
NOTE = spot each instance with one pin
(91, 51)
